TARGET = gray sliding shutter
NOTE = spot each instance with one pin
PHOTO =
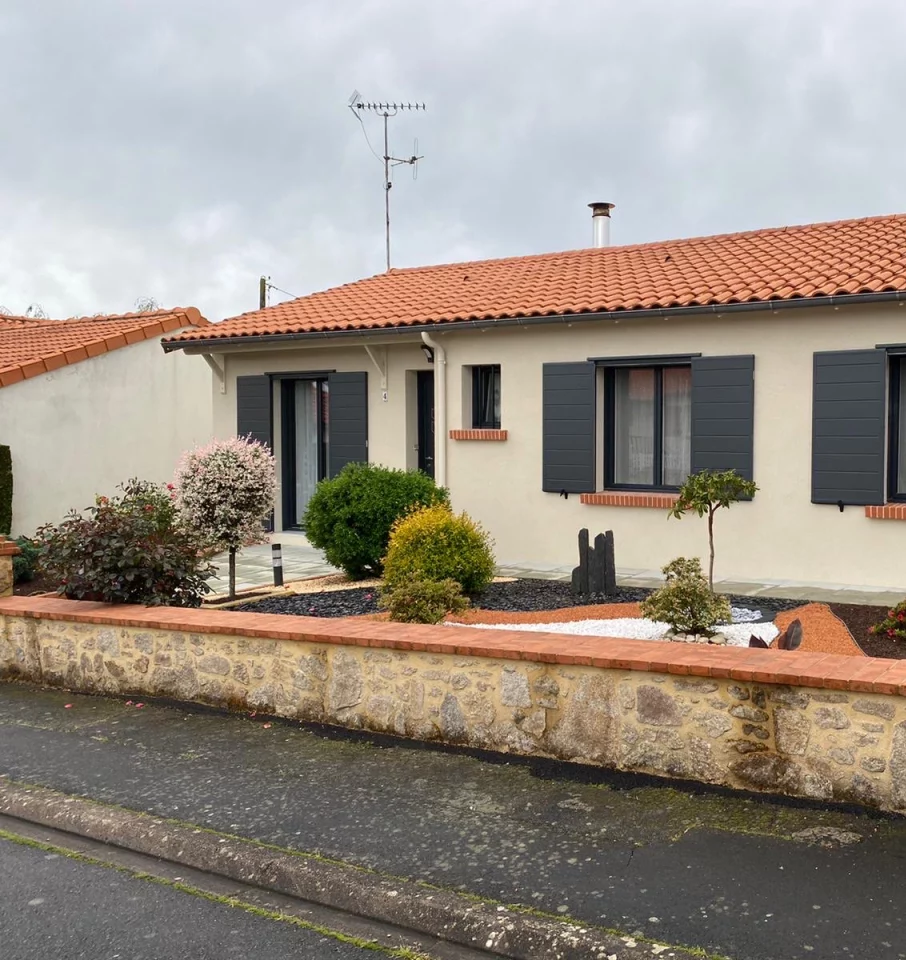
(848, 417)
(348, 406)
(253, 408)
(568, 427)
(723, 414)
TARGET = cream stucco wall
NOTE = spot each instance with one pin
(779, 535)
(89, 426)
(391, 422)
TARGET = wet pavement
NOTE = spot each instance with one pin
(52, 906)
(751, 879)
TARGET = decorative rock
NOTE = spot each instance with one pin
(791, 731)
(898, 766)
(587, 726)
(789, 697)
(514, 688)
(452, 721)
(873, 764)
(714, 724)
(748, 713)
(214, 664)
(657, 708)
(875, 708)
(843, 757)
(345, 687)
(831, 718)
(751, 730)
(695, 686)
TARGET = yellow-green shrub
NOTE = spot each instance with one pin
(436, 544)
(423, 601)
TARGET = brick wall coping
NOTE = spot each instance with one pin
(827, 671)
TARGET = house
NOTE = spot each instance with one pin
(578, 389)
(87, 403)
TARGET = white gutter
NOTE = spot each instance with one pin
(440, 409)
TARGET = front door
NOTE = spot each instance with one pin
(425, 400)
(305, 415)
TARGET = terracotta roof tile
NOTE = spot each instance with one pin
(30, 347)
(825, 259)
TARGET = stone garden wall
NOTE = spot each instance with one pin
(808, 725)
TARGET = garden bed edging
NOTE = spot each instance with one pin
(820, 726)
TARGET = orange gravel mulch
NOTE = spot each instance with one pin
(822, 631)
(601, 611)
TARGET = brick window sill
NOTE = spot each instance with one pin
(658, 501)
(889, 511)
(478, 434)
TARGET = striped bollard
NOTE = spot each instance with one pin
(277, 558)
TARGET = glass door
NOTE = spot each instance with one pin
(305, 440)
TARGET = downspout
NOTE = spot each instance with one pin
(440, 412)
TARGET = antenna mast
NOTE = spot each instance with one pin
(387, 110)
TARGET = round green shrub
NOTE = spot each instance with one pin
(436, 544)
(686, 601)
(423, 601)
(351, 515)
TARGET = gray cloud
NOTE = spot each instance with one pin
(178, 150)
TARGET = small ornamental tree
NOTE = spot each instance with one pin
(706, 492)
(224, 491)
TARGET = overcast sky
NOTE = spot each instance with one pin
(177, 149)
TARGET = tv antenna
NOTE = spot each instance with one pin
(358, 106)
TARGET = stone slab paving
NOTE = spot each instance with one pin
(746, 878)
(254, 568)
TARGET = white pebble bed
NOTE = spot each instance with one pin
(631, 628)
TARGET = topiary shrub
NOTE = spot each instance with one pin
(894, 625)
(351, 515)
(6, 491)
(686, 601)
(25, 564)
(436, 544)
(224, 491)
(127, 549)
(423, 601)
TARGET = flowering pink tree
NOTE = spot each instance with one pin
(224, 491)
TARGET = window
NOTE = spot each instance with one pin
(649, 426)
(897, 458)
(486, 397)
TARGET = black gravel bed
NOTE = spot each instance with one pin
(517, 596)
(332, 603)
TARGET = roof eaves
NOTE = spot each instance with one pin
(773, 304)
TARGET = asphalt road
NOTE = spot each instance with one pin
(52, 906)
(746, 878)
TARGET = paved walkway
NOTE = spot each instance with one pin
(300, 560)
(749, 879)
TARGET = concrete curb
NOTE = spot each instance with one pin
(403, 903)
